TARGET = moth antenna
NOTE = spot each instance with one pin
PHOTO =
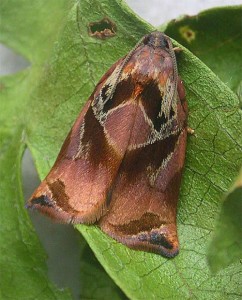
(127, 58)
(175, 69)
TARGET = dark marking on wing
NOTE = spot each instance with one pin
(145, 223)
(172, 113)
(150, 155)
(151, 99)
(95, 143)
(94, 139)
(59, 195)
(42, 200)
(104, 90)
(157, 238)
(123, 91)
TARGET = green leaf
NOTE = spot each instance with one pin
(226, 246)
(96, 284)
(215, 37)
(32, 28)
(43, 101)
(22, 270)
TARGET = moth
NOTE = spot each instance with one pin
(121, 164)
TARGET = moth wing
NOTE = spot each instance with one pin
(142, 213)
(78, 185)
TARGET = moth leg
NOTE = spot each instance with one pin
(181, 89)
(177, 49)
(190, 131)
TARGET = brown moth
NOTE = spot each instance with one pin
(121, 164)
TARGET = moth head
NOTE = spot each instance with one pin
(157, 39)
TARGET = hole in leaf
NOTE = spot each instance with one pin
(61, 242)
(11, 62)
(102, 29)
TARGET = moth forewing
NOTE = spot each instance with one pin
(122, 161)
